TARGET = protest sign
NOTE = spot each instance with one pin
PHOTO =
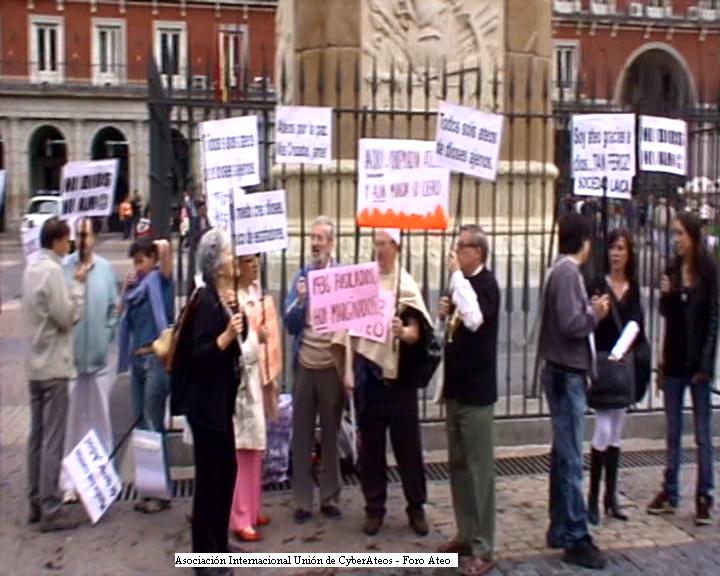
(343, 297)
(88, 188)
(151, 473)
(93, 475)
(378, 328)
(401, 186)
(260, 222)
(663, 145)
(271, 352)
(31, 243)
(303, 135)
(468, 140)
(230, 161)
(603, 146)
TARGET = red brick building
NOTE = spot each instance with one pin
(655, 55)
(73, 78)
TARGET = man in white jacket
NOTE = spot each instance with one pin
(51, 311)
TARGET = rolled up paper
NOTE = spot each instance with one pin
(626, 339)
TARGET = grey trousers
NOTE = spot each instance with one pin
(48, 418)
(472, 475)
(316, 391)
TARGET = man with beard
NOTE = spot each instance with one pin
(317, 387)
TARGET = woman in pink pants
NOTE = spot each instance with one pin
(249, 420)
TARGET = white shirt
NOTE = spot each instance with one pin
(466, 301)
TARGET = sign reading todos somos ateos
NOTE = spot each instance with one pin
(87, 188)
(603, 146)
(230, 162)
(468, 140)
(663, 145)
(344, 297)
(93, 475)
(303, 135)
(401, 186)
(260, 222)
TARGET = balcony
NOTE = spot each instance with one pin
(567, 6)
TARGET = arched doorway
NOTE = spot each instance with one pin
(109, 142)
(48, 154)
(657, 81)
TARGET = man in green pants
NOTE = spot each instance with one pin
(470, 312)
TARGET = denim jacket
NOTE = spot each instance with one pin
(296, 311)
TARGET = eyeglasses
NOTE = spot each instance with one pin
(461, 245)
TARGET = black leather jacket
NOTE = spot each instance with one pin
(691, 322)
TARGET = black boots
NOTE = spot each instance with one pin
(597, 462)
(612, 463)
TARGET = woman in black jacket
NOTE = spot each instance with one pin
(689, 304)
(214, 370)
(620, 283)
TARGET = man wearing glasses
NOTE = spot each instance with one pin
(470, 391)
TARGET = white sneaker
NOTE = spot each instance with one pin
(70, 497)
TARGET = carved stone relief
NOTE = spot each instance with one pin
(419, 35)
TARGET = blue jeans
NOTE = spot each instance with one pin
(702, 415)
(150, 390)
(565, 392)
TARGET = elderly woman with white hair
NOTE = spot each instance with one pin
(210, 353)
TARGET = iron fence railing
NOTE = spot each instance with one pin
(519, 211)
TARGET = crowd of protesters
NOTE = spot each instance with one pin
(73, 311)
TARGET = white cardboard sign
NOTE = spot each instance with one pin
(93, 475)
(87, 188)
(401, 186)
(31, 244)
(230, 160)
(468, 140)
(663, 145)
(603, 146)
(260, 222)
(303, 135)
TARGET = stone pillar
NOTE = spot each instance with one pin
(353, 54)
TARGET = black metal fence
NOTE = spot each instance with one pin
(519, 211)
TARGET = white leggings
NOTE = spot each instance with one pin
(608, 428)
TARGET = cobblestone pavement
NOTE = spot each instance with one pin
(125, 543)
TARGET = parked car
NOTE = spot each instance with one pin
(39, 209)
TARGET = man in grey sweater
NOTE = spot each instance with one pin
(567, 347)
(51, 311)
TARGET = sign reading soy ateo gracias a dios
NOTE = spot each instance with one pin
(603, 153)
(88, 188)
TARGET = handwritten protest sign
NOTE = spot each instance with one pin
(260, 222)
(93, 475)
(303, 135)
(31, 243)
(663, 145)
(378, 328)
(401, 186)
(271, 352)
(88, 188)
(230, 162)
(468, 140)
(603, 147)
(343, 297)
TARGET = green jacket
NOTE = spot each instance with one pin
(51, 309)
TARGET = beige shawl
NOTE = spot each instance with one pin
(387, 354)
